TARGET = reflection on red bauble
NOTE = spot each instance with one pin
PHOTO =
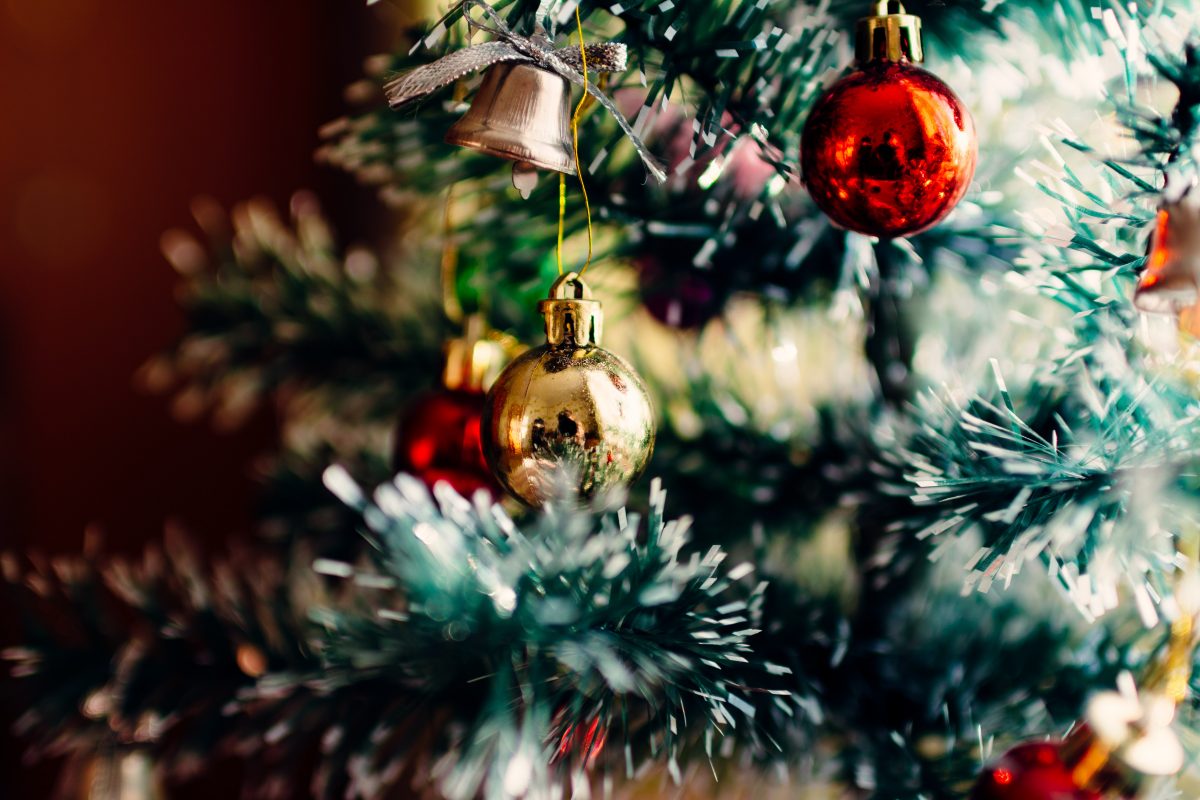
(889, 150)
(439, 441)
(1032, 771)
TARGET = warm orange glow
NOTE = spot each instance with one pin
(1159, 268)
(251, 660)
(1160, 249)
(1002, 777)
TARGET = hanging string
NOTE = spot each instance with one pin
(562, 179)
(1177, 669)
(1172, 674)
(583, 101)
(562, 213)
(450, 303)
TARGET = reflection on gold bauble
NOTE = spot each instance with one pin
(568, 414)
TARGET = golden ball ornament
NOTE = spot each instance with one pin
(568, 414)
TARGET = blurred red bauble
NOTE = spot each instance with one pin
(684, 297)
(1031, 771)
(439, 436)
(439, 441)
(889, 150)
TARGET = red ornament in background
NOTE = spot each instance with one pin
(1125, 742)
(1031, 771)
(438, 437)
(439, 441)
(680, 297)
(889, 150)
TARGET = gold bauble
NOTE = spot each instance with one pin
(568, 414)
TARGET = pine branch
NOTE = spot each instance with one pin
(150, 651)
(570, 620)
(295, 507)
(957, 679)
(1095, 488)
(572, 643)
(272, 305)
(1109, 210)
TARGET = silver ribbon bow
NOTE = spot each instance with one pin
(509, 46)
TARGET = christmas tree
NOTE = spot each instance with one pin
(753, 398)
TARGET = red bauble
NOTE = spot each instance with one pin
(889, 150)
(1032, 771)
(439, 441)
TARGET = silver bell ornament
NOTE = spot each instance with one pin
(568, 414)
(521, 113)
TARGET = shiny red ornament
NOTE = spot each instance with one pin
(439, 441)
(889, 150)
(1031, 771)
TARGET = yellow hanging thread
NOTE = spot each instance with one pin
(575, 139)
(1172, 675)
(450, 303)
(562, 213)
(562, 181)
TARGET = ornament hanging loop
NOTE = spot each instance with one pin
(587, 204)
(573, 317)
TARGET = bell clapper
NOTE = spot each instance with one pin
(524, 178)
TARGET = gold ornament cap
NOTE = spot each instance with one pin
(573, 318)
(473, 361)
(889, 34)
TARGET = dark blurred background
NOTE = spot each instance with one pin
(113, 116)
